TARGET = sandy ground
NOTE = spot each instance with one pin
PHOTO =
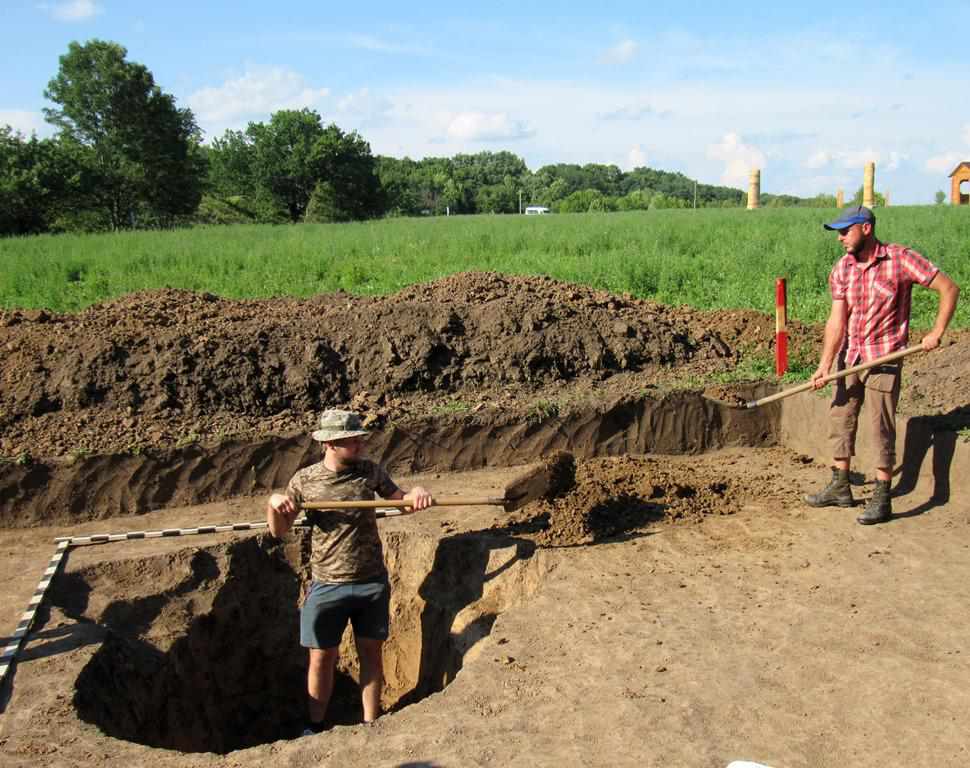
(682, 610)
(777, 633)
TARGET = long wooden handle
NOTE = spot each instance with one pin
(455, 501)
(833, 376)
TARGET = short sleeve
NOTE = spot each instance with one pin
(294, 489)
(837, 282)
(381, 482)
(917, 267)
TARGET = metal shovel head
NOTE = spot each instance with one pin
(554, 477)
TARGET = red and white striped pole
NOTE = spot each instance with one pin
(781, 327)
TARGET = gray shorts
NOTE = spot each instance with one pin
(328, 608)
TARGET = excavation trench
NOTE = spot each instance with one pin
(200, 647)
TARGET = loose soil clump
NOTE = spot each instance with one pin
(617, 495)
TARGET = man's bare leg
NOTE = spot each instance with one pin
(320, 674)
(369, 651)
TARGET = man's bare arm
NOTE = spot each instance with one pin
(832, 341)
(418, 496)
(949, 293)
(280, 514)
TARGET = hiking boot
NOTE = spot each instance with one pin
(880, 506)
(837, 493)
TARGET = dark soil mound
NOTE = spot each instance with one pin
(166, 369)
(169, 367)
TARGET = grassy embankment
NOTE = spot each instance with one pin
(709, 259)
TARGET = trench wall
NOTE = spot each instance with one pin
(932, 460)
(102, 486)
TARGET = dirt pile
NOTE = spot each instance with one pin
(616, 495)
(163, 369)
(167, 367)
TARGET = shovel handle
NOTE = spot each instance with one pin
(892, 356)
(455, 501)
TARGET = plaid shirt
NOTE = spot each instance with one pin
(878, 296)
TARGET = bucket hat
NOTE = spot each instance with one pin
(338, 425)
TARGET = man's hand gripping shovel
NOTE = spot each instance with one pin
(553, 477)
(891, 357)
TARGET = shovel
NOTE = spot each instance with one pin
(892, 356)
(554, 476)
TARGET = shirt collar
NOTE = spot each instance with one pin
(882, 253)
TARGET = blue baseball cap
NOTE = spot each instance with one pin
(854, 215)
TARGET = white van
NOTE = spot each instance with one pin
(535, 210)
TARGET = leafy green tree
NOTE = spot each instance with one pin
(497, 198)
(396, 180)
(140, 153)
(230, 165)
(582, 201)
(661, 201)
(39, 180)
(345, 163)
(282, 158)
(940, 197)
(308, 172)
(23, 191)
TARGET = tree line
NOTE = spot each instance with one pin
(124, 155)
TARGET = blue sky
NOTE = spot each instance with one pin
(709, 89)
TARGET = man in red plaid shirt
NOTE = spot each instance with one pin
(871, 289)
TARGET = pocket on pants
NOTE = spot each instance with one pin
(882, 378)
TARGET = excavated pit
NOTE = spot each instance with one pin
(200, 647)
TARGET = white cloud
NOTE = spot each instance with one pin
(486, 126)
(254, 95)
(944, 163)
(25, 122)
(72, 10)
(895, 160)
(947, 161)
(564, 120)
(636, 158)
(855, 159)
(633, 112)
(820, 159)
(739, 159)
(364, 108)
(620, 53)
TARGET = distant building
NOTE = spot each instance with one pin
(536, 210)
(960, 174)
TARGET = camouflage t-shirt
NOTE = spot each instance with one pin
(345, 544)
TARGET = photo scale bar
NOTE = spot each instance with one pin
(104, 538)
(13, 646)
(14, 643)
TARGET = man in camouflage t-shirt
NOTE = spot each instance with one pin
(346, 562)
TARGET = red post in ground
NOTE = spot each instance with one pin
(781, 327)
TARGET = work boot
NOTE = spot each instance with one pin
(880, 506)
(837, 493)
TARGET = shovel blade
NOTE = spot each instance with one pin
(554, 477)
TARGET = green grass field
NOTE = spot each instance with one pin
(709, 259)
